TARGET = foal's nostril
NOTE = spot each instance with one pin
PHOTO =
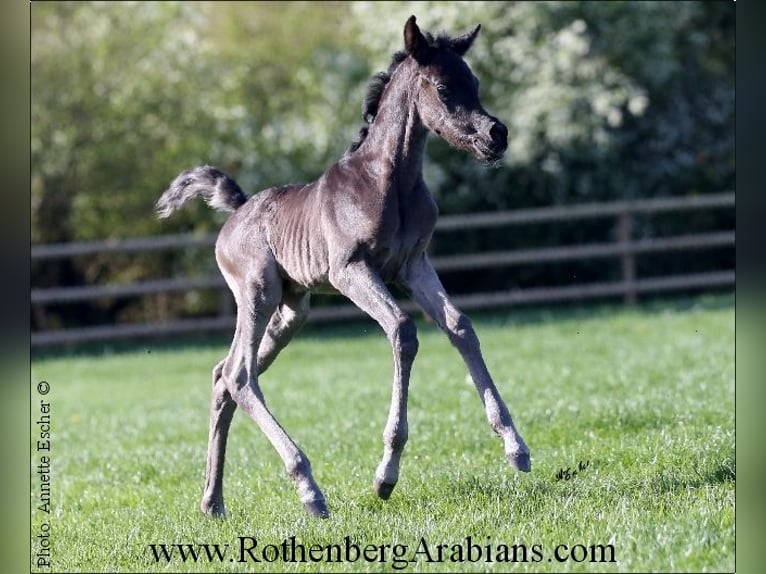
(499, 134)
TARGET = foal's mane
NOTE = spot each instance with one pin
(379, 82)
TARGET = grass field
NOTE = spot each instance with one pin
(643, 397)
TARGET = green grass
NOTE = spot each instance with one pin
(646, 395)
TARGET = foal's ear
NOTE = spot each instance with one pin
(414, 41)
(461, 44)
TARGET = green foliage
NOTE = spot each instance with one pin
(604, 100)
(127, 95)
(647, 396)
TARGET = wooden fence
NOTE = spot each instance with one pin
(625, 248)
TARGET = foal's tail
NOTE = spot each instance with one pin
(218, 189)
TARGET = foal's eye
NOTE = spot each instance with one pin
(442, 90)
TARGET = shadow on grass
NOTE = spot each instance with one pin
(365, 327)
(721, 472)
(633, 421)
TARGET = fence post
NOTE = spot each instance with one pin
(628, 259)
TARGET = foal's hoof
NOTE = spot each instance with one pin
(520, 461)
(213, 508)
(383, 489)
(317, 508)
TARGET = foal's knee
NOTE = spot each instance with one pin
(461, 333)
(405, 338)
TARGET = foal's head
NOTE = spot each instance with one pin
(447, 94)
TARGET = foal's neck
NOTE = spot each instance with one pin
(397, 138)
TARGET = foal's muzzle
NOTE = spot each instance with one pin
(491, 147)
(499, 134)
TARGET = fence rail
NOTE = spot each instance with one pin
(625, 248)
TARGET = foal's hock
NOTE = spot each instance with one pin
(364, 223)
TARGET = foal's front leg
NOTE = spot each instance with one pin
(427, 291)
(363, 286)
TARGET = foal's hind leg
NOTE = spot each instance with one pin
(427, 291)
(284, 323)
(222, 408)
(257, 302)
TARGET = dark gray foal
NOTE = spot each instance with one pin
(365, 222)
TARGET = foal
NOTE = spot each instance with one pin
(365, 222)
